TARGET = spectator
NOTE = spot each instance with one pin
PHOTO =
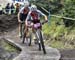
(7, 8)
(22, 16)
(17, 7)
(0, 9)
(12, 9)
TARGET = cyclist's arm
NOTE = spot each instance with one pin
(46, 18)
(21, 11)
(28, 17)
(43, 15)
(19, 17)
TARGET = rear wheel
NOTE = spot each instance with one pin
(38, 40)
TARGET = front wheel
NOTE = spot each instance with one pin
(40, 40)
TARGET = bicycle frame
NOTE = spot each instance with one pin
(39, 36)
(36, 28)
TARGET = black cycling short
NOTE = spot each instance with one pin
(23, 16)
(36, 21)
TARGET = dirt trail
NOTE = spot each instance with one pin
(32, 53)
(8, 22)
(8, 30)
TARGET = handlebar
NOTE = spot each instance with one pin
(44, 21)
(30, 25)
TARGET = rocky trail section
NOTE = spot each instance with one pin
(8, 24)
(32, 52)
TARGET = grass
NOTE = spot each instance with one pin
(9, 48)
(57, 44)
(60, 45)
(56, 29)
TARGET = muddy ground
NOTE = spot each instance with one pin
(67, 54)
(9, 23)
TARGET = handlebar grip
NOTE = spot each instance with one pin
(44, 21)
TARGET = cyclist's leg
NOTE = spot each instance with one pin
(25, 32)
(34, 37)
(20, 30)
(26, 28)
(20, 25)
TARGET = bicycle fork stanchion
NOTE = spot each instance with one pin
(40, 41)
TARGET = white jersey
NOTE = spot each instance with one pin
(39, 14)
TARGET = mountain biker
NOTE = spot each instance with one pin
(35, 15)
(22, 16)
(17, 5)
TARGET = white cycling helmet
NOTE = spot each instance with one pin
(26, 4)
(33, 7)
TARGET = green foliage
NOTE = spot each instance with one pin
(69, 8)
(53, 5)
(57, 44)
(62, 7)
(61, 45)
(9, 48)
(54, 29)
(57, 29)
(59, 36)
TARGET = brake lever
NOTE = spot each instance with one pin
(44, 21)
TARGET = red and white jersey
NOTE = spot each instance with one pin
(34, 15)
